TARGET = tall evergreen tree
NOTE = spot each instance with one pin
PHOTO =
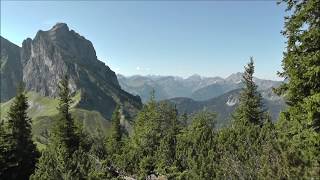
(170, 128)
(151, 148)
(250, 109)
(299, 125)
(115, 136)
(239, 145)
(63, 157)
(114, 143)
(142, 145)
(65, 132)
(20, 152)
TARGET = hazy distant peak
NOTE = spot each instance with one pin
(195, 77)
(235, 77)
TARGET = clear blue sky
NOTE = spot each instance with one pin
(210, 38)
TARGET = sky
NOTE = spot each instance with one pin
(180, 38)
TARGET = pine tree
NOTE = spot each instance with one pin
(18, 149)
(65, 132)
(250, 109)
(151, 148)
(240, 146)
(64, 158)
(170, 128)
(114, 141)
(299, 125)
(115, 136)
(272, 164)
(196, 148)
(141, 147)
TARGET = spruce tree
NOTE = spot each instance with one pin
(18, 149)
(239, 145)
(196, 149)
(115, 136)
(65, 132)
(141, 147)
(299, 125)
(63, 158)
(114, 140)
(272, 164)
(151, 148)
(250, 109)
(170, 128)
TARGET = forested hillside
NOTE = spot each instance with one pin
(166, 144)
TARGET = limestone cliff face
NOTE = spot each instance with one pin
(60, 51)
(10, 69)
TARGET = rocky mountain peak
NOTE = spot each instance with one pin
(60, 27)
(60, 51)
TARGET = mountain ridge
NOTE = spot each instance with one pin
(196, 87)
(226, 103)
(41, 62)
(58, 51)
(10, 69)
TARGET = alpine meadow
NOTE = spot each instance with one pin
(68, 115)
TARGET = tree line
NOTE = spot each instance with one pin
(165, 144)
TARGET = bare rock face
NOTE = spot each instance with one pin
(54, 53)
(10, 69)
(60, 51)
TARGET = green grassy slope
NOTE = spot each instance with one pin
(43, 111)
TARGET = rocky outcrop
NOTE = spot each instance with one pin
(10, 69)
(61, 51)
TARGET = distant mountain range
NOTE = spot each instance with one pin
(197, 93)
(195, 87)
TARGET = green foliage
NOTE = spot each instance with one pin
(151, 148)
(272, 163)
(169, 128)
(196, 148)
(67, 155)
(301, 62)
(18, 152)
(299, 141)
(145, 137)
(298, 126)
(250, 109)
(44, 113)
(242, 147)
(64, 132)
(114, 140)
(5, 149)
